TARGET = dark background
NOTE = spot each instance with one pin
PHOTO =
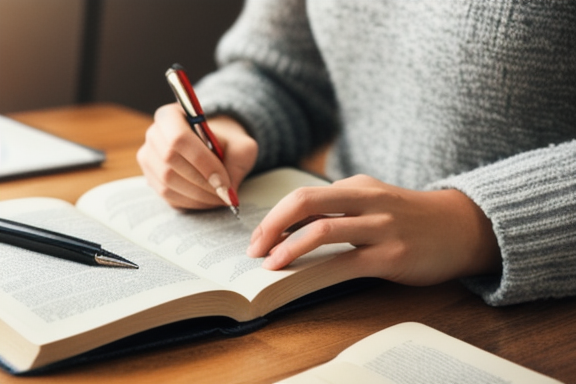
(62, 52)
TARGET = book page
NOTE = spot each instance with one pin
(47, 298)
(210, 243)
(25, 150)
(410, 353)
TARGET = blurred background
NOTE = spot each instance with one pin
(62, 52)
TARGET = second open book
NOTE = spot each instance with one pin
(192, 265)
(412, 353)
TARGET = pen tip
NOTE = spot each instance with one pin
(109, 259)
(236, 211)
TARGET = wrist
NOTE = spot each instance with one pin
(478, 251)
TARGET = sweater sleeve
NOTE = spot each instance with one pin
(531, 200)
(272, 79)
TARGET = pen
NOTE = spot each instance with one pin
(59, 245)
(180, 84)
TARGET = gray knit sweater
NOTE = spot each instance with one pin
(474, 95)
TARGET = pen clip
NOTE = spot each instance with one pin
(180, 84)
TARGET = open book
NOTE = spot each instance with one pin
(192, 265)
(409, 353)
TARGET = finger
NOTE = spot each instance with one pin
(181, 138)
(169, 166)
(164, 161)
(360, 231)
(174, 198)
(296, 226)
(200, 199)
(304, 203)
(165, 175)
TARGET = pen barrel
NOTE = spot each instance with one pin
(78, 255)
(184, 92)
(200, 127)
(47, 242)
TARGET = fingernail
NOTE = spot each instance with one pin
(250, 251)
(216, 182)
(223, 194)
(267, 264)
(256, 235)
(270, 263)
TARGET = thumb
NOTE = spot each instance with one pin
(240, 158)
(240, 149)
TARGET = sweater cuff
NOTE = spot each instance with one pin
(531, 201)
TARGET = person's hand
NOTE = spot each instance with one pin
(406, 236)
(179, 166)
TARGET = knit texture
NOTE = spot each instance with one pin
(474, 95)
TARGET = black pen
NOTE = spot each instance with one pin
(59, 245)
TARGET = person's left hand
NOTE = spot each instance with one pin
(406, 236)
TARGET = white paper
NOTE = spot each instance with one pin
(26, 150)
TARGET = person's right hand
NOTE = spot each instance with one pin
(181, 169)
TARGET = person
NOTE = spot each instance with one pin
(451, 127)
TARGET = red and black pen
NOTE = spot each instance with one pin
(186, 96)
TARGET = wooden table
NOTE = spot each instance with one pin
(540, 335)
